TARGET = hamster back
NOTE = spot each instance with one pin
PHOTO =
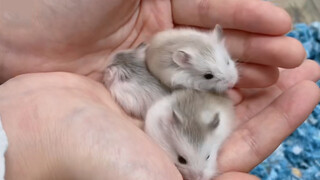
(131, 84)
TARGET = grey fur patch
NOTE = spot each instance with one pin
(164, 52)
(192, 42)
(159, 56)
(189, 105)
(129, 67)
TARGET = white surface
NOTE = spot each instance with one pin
(3, 148)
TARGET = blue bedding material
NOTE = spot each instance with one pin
(298, 157)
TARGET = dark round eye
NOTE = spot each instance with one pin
(182, 160)
(208, 157)
(208, 76)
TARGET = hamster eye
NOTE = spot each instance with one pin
(208, 157)
(182, 160)
(208, 76)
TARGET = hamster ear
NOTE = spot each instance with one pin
(141, 50)
(169, 121)
(182, 59)
(215, 122)
(217, 33)
(142, 46)
(176, 118)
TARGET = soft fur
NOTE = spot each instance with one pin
(130, 83)
(205, 52)
(185, 124)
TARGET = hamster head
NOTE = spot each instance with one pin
(190, 135)
(122, 64)
(192, 147)
(205, 64)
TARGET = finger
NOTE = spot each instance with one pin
(268, 50)
(257, 100)
(235, 96)
(309, 70)
(253, 76)
(248, 15)
(258, 138)
(236, 175)
(256, 76)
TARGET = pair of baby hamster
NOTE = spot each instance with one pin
(179, 58)
(190, 124)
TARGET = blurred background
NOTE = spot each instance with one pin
(306, 11)
(298, 157)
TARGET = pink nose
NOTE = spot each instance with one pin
(194, 176)
(230, 85)
(199, 176)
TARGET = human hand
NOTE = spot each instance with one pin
(81, 45)
(78, 36)
(265, 117)
(62, 126)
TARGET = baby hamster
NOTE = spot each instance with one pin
(192, 59)
(130, 82)
(191, 126)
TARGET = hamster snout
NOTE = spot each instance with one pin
(199, 175)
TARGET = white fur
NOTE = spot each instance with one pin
(159, 126)
(134, 98)
(140, 90)
(165, 44)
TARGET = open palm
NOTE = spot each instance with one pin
(78, 37)
(267, 116)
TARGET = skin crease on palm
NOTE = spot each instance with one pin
(65, 126)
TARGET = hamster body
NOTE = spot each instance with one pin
(131, 84)
(187, 58)
(191, 126)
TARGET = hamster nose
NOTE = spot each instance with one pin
(199, 176)
(231, 85)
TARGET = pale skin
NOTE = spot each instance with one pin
(66, 126)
